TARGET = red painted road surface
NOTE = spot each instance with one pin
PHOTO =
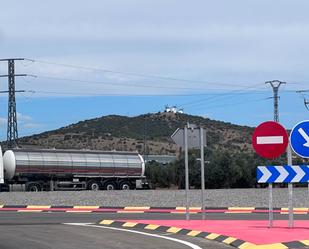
(254, 231)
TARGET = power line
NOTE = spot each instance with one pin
(147, 86)
(133, 74)
(126, 94)
(229, 93)
(303, 94)
(118, 84)
(231, 104)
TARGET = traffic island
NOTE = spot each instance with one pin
(241, 234)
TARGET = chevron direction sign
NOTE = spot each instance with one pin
(282, 174)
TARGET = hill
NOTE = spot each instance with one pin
(131, 133)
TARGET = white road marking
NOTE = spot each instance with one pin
(189, 244)
(269, 140)
(305, 136)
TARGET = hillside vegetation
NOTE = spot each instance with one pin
(131, 133)
(231, 160)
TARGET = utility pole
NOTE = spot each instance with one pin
(306, 102)
(145, 140)
(12, 133)
(275, 84)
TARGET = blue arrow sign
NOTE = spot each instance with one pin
(299, 139)
(282, 174)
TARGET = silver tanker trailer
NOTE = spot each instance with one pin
(73, 169)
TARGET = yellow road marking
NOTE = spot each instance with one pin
(29, 211)
(192, 210)
(229, 240)
(295, 210)
(173, 230)
(247, 245)
(269, 246)
(34, 206)
(106, 222)
(306, 242)
(151, 227)
(129, 224)
(130, 212)
(240, 209)
(193, 233)
(78, 211)
(137, 208)
(86, 207)
(212, 236)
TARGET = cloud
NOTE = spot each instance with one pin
(32, 126)
(3, 121)
(22, 118)
(242, 42)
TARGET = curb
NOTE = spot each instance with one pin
(238, 243)
(136, 209)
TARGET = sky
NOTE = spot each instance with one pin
(129, 57)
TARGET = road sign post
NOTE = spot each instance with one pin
(187, 172)
(1, 167)
(270, 140)
(284, 174)
(290, 188)
(202, 170)
(299, 139)
(270, 205)
(191, 137)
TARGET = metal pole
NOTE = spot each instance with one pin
(186, 172)
(290, 188)
(1, 167)
(202, 170)
(275, 84)
(270, 206)
(308, 193)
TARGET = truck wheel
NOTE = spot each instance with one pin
(109, 186)
(33, 187)
(125, 185)
(93, 185)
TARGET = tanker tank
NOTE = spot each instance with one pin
(93, 170)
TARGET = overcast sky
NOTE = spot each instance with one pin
(212, 47)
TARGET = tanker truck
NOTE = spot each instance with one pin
(54, 169)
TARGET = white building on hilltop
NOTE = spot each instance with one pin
(173, 109)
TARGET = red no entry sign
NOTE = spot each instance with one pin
(270, 139)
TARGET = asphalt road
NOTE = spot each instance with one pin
(71, 237)
(47, 230)
(24, 218)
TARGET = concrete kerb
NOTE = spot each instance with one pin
(138, 209)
